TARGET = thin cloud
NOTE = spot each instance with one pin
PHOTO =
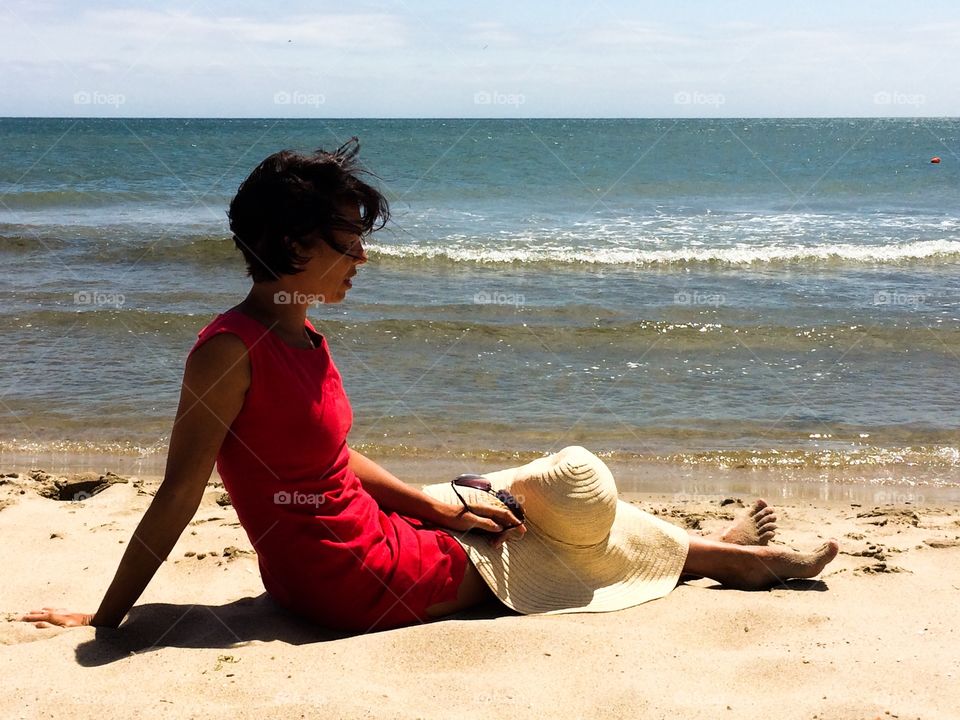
(493, 34)
(412, 59)
(117, 31)
(630, 33)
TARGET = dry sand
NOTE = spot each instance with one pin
(876, 636)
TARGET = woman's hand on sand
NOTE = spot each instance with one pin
(57, 617)
(490, 519)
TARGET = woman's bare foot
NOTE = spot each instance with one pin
(757, 526)
(753, 567)
(774, 564)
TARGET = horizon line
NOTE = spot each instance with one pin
(468, 117)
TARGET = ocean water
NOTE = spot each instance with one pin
(722, 292)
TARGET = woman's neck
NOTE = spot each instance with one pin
(287, 318)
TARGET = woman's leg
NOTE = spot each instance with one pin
(473, 591)
(747, 567)
(756, 526)
(751, 567)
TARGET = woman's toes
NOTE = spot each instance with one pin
(825, 554)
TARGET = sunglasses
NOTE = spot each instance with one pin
(347, 226)
(478, 482)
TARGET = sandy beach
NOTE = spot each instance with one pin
(874, 636)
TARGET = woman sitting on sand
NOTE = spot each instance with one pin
(341, 541)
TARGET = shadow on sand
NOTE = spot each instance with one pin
(796, 585)
(158, 625)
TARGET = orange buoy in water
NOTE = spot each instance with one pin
(935, 160)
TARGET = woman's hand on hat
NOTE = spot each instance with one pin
(491, 519)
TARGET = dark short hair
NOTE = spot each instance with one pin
(294, 197)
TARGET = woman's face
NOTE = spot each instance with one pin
(328, 272)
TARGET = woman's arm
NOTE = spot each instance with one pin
(215, 382)
(391, 493)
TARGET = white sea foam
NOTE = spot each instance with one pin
(741, 254)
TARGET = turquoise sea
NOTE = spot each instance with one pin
(719, 292)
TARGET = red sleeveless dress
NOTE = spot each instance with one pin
(326, 550)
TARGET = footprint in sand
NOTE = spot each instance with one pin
(941, 543)
(898, 516)
(72, 488)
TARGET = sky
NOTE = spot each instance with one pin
(532, 58)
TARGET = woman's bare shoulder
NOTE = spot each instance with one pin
(221, 356)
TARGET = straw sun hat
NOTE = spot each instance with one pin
(584, 550)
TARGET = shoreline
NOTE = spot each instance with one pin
(876, 485)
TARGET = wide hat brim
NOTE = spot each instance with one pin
(639, 560)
